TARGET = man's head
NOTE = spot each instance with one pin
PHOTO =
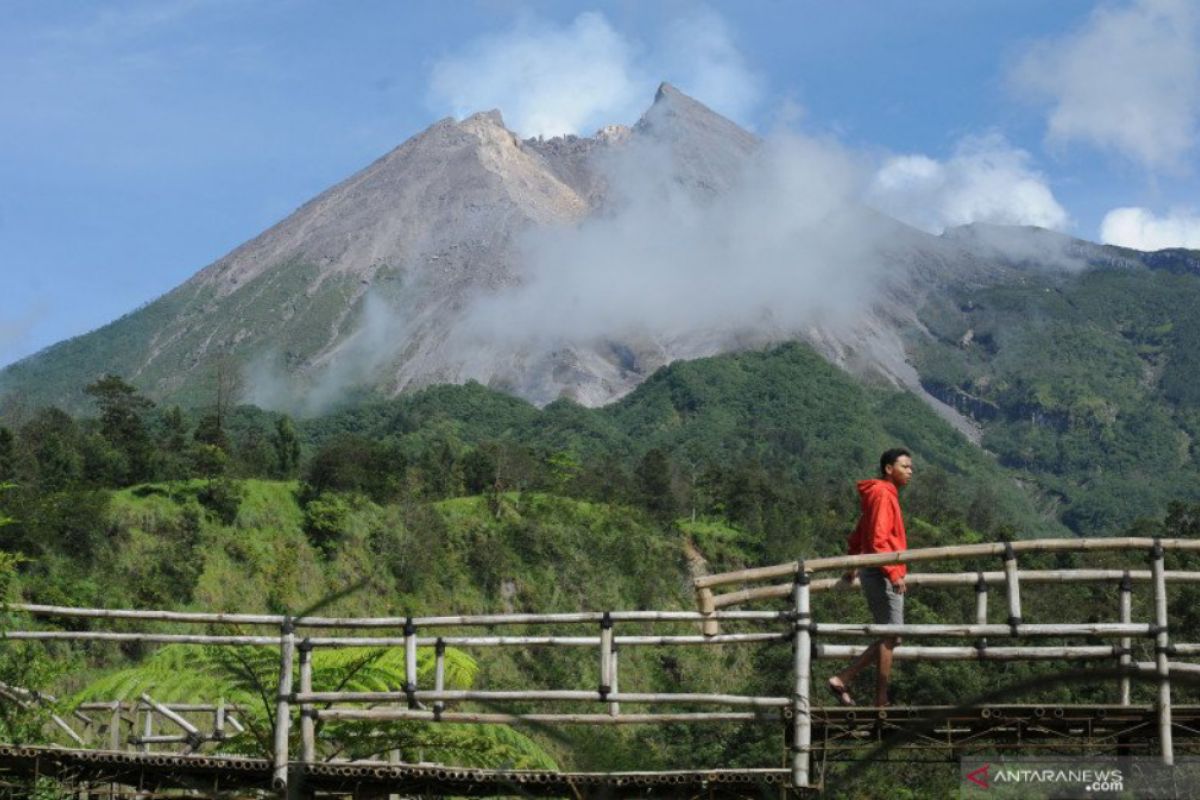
(895, 465)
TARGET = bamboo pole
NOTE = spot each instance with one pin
(559, 641)
(1025, 629)
(614, 708)
(171, 715)
(953, 552)
(704, 601)
(945, 579)
(1151, 667)
(287, 647)
(147, 728)
(114, 726)
(410, 661)
(219, 720)
(606, 648)
(557, 695)
(802, 668)
(950, 653)
(466, 620)
(1161, 643)
(146, 638)
(1012, 586)
(308, 730)
(1126, 609)
(107, 705)
(439, 674)
(981, 608)
(395, 714)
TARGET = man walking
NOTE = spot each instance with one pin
(880, 529)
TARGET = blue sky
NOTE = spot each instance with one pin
(141, 140)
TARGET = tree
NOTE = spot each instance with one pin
(287, 447)
(652, 480)
(173, 443)
(122, 425)
(226, 391)
(8, 455)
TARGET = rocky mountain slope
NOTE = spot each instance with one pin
(372, 284)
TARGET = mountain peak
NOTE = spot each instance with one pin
(481, 118)
(666, 91)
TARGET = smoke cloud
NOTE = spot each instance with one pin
(1128, 81)
(553, 80)
(986, 180)
(1141, 229)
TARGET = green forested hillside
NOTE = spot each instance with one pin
(1086, 385)
(464, 499)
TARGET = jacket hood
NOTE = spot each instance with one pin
(873, 486)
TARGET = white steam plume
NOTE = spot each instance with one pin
(986, 180)
(552, 80)
(1128, 80)
(780, 248)
(1141, 229)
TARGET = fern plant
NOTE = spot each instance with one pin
(248, 677)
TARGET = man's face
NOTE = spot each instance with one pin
(899, 471)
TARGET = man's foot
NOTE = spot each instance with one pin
(838, 689)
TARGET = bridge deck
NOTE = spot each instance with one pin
(839, 733)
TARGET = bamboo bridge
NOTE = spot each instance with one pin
(143, 747)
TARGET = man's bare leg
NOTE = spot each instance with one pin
(842, 680)
(884, 652)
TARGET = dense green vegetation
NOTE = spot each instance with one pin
(462, 499)
(1085, 385)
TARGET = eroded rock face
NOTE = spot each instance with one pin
(368, 284)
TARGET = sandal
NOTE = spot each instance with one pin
(840, 692)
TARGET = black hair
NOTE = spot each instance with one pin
(889, 457)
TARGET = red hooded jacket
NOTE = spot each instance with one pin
(881, 527)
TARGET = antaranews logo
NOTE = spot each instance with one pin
(980, 777)
(1042, 778)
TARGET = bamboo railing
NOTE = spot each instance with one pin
(802, 584)
(602, 636)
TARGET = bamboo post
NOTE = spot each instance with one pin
(410, 661)
(219, 720)
(802, 656)
(308, 724)
(287, 648)
(1126, 656)
(981, 609)
(614, 707)
(1161, 652)
(114, 726)
(1013, 587)
(394, 759)
(704, 601)
(606, 648)
(147, 727)
(439, 675)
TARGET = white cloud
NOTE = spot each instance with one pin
(1141, 229)
(550, 80)
(1128, 80)
(546, 80)
(986, 180)
(701, 58)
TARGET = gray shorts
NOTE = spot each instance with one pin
(886, 604)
